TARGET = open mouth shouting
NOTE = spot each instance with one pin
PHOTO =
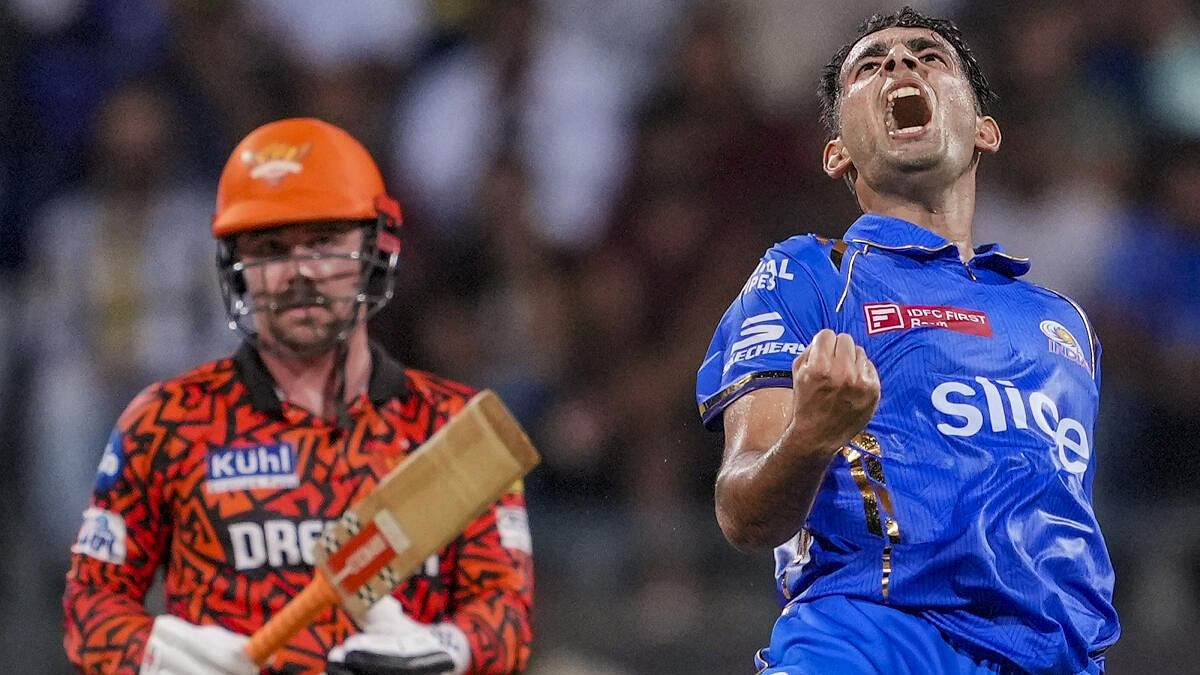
(908, 111)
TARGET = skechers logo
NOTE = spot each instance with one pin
(259, 466)
(759, 337)
(1072, 449)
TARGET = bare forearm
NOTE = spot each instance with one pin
(764, 498)
(779, 443)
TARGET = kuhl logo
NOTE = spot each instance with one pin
(259, 466)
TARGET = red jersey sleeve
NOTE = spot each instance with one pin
(121, 543)
(492, 593)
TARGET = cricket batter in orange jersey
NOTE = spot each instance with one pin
(224, 476)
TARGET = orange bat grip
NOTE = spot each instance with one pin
(295, 615)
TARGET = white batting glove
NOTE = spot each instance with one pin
(391, 642)
(177, 647)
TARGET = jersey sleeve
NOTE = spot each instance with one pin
(120, 545)
(1097, 352)
(771, 322)
(492, 595)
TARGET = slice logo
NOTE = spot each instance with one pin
(884, 317)
(760, 335)
(1003, 408)
(1063, 343)
(102, 536)
(258, 466)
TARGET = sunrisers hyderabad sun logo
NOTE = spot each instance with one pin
(276, 161)
(1062, 342)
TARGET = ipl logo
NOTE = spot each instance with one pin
(276, 161)
(102, 536)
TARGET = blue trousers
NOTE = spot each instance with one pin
(839, 636)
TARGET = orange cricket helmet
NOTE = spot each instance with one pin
(299, 170)
(302, 170)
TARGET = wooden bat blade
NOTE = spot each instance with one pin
(415, 510)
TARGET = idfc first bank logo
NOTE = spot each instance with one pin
(256, 466)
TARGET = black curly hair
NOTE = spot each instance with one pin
(830, 89)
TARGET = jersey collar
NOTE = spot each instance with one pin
(908, 239)
(388, 379)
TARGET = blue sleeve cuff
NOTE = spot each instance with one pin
(711, 409)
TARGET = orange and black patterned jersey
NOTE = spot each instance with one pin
(214, 479)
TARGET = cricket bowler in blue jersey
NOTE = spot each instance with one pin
(907, 422)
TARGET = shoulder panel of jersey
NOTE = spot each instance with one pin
(1092, 347)
(435, 397)
(435, 387)
(125, 533)
(133, 454)
(789, 297)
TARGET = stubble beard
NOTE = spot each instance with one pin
(317, 333)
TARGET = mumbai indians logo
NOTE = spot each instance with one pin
(1062, 342)
(276, 161)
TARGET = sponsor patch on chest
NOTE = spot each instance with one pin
(256, 466)
(884, 317)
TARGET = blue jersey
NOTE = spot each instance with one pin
(967, 499)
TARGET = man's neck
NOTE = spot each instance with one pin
(311, 382)
(948, 212)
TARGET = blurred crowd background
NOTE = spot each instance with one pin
(587, 184)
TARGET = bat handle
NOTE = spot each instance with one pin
(295, 615)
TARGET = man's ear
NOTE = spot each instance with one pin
(987, 135)
(836, 159)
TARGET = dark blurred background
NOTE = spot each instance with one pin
(587, 183)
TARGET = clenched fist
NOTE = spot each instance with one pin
(835, 390)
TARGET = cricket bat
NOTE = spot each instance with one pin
(414, 511)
